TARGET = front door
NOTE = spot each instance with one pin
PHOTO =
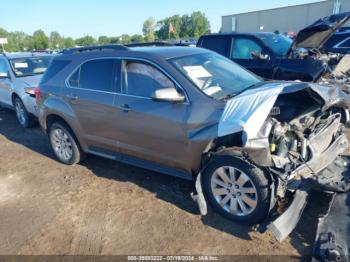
(147, 129)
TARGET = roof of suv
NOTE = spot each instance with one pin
(164, 52)
(169, 51)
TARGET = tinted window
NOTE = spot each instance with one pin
(346, 43)
(95, 75)
(74, 80)
(55, 67)
(242, 48)
(141, 79)
(217, 44)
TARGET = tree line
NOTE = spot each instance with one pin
(174, 27)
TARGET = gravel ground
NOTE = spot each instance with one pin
(104, 207)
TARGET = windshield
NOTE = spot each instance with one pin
(215, 75)
(30, 65)
(279, 44)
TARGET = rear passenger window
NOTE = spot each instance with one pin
(141, 79)
(217, 44)
(95, 75)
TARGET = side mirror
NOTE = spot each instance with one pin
(4, 75)
(167, 95)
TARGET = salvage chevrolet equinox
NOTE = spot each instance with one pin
(192, 113)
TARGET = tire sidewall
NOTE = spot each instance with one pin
(27, 122)
(256, 175)
(75, 148)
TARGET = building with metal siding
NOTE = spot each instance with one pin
(283, 19)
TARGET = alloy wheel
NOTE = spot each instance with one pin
(61, 144)
(234, 191)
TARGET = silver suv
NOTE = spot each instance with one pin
(192, 113)
(20, 74)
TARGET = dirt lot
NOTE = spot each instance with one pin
(104, 207)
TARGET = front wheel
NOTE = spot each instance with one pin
(64, 144)
(25, 119)
(236, 189)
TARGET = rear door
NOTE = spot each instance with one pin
(147, 129)
(242, 52)
(91, 93)
(5, 83)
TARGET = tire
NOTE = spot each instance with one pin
(242, 195)
(64, 144)
(24, 118)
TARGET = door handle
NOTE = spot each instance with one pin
(73, 97)
(126, 108)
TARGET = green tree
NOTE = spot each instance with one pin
(56, 40)
(41, 41)
(137, 39)
(125, 39)
(199, 24)
(148, 29)
(68, 42)
(114, 40)
(85, 41)
(28, 43)
(164, 25)
(104, 40)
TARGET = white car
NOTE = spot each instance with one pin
(20, 74)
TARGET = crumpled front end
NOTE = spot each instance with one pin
(296, 131)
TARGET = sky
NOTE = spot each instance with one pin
(77, 18)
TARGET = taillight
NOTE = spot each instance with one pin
(37, 95)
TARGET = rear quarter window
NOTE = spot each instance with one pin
(55, 67)
(219, 45)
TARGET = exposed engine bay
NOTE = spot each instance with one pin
(302, 138)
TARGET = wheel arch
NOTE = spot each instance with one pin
(53, 117)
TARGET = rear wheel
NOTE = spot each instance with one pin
(23, 116)
(64, 144)
(236, 189)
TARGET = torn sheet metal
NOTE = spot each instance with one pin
(248, 111)
(286, 222)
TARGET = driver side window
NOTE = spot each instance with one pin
(243, 48)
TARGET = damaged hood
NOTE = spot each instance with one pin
(248, 111)
(315, 35)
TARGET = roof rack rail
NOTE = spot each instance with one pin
(160, 43)
(95, 48)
